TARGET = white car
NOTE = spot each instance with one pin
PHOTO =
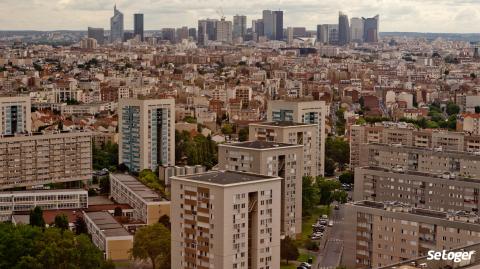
(330, 223)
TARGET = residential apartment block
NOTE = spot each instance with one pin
(426, 160)
(147, 133)
(108, 235)
(17, 201)
(403, 134)
(440, 192)
(148, 206)
(309, 112)
(391, 232)
(33, 160)
(15, 113)
(226, 220)
(271, 159)
(291, 133)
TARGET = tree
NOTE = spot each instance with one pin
(118, 212)
(347, 178)
(31, 247)
(165, 221)
(61, 221)
(227, 129)
(288, 250)
(330, 166)
(243, 134)
(326, 190)
(452, 109)
(477, 109)
(153, 243)
(105, 184)
(80, 226)
(36, 217)
(105, 156)
(310, 195)
(340, 196)
(338, 150)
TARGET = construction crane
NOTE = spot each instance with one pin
(221, 13)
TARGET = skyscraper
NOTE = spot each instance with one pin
(206, 30)
(97, 34)
(356, 30)
(223, 31)
(273, 24)
(16, 115)
(343, 29)
(147, 133)
(138, 26)
(327, 34)
(258, 28)
(182, 33)
(278, 22)
(239, 26)
(370, 29)
(116, 26)
(192, 32)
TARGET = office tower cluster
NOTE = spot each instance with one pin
(415, 191)
(358, 30)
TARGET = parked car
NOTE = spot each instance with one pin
(306, 265)
(337, 207)
(330, 223)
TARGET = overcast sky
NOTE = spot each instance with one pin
(456, 16)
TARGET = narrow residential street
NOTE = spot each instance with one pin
(331, 246)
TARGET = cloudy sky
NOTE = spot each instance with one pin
(456, 16)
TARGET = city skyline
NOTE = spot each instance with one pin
(409, 16)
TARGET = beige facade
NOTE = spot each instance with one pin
(147, 133)
(147, 205)
(406, 135)
(15, 115)
(33, 160)
(226, 220)
(291, 133)
(309, 112)
(439, 192)
(387, 233)
(271, 159)
(108, 235)
(425, 160)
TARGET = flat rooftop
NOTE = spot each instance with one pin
(107, 224)
(226, 177)
(138, 188)
(40, 192)
(261, 145)
(284, 124)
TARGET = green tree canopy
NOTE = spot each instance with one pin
(288, 249)
(61, 221)
(36, 217)
(153, 243)
(24, 246)
(338, 150)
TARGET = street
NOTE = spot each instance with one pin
(331, 246)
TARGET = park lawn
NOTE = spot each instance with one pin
(291, 265)
(308, 221)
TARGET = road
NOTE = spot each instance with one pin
(331, 247)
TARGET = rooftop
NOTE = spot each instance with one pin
(261, 145)
(284, 124)
(107, 224)
(226, 177)
(138, 188)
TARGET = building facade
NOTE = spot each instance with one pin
(147, 133)
(138, 26)
(291, 133)
(226, 220)
(116, 26)
(391, 232)
(34, 160)
(271, 159)
(18, 201)
(148, 206)
(309, 112)
(15, 115)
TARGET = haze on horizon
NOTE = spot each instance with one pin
(445, 16)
